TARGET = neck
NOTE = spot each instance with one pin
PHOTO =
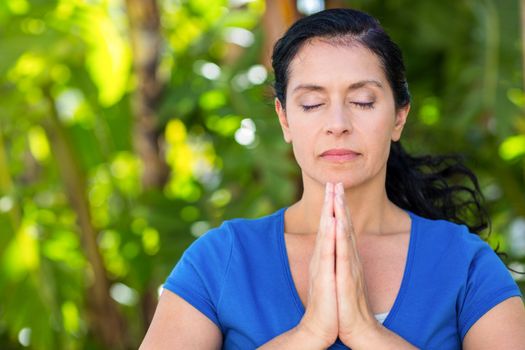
(369, 206)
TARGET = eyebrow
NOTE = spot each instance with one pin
(353, 86)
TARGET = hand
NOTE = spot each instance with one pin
(356, 319)
(320, 318)
(337, 304)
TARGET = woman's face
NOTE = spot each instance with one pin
(340, 114)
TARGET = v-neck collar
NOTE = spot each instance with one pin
(405, 282)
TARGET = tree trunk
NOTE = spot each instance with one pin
(104, 319)
(146, 42)
(144, 29)
(279, 15)
(333, 4)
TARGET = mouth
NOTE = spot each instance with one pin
(339, 155)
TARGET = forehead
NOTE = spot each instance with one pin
(327, 63)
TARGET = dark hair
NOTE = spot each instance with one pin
(435, 187)
(341, 23)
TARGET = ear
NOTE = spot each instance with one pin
(281, 113)
(401, 119)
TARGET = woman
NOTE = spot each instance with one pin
(362, 260)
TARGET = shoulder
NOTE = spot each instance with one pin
(449, 236)
(460, 255)
(238, 229)
(464, 257)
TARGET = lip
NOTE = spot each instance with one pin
(339, 155)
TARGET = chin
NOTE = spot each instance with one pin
(349, 179)
(346, 181)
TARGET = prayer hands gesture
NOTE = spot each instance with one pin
(337, 298)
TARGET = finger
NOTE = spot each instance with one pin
(325, 222)
(343, 245)
(345, 257)
(327, 233)
(342, 213)
(328, 205)
(349, 271)
(343, 216)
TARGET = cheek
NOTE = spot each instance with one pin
(382, 123)
(377, 134)
(301, 154)
(302, 143)
(301, 131)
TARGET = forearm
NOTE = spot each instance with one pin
(382, 339)
(295, 338)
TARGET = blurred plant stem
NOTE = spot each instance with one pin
(522, 8)
(6, 185)
(104, 317)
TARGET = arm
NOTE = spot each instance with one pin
(382, 338)
(502, 327)
(178, 325)
(295, 338)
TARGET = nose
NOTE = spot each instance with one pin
(338, 122)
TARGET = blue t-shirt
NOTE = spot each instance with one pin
(239, 277)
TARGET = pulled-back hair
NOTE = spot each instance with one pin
(435, 187)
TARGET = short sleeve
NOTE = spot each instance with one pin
(199, 275)
(488, 283)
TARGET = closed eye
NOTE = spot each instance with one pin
(307, 108)
(364, 105)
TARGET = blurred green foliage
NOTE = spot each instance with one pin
(66, 74)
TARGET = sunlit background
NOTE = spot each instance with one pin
(130, 127)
